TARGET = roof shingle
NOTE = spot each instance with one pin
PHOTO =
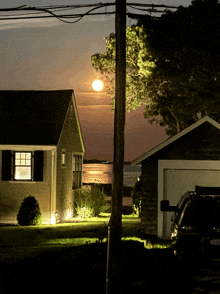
(32, 117)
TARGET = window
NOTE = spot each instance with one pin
(77, 171)
(63, 158)
(22, 166)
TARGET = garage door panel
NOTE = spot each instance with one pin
(177, 177)
(177, 182)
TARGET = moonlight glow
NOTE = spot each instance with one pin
(97, 85)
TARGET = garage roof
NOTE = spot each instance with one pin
(174, 138)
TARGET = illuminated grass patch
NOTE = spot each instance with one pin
(83, 241)
(157, 246)
(148, 245)
(69, 241)
(131, 239)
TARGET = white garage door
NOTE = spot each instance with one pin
(175, 177)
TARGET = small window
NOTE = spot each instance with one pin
(63, 158)
(23, 166)
(74, 163)
(77, 171)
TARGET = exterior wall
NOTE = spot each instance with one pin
(149, 179)
(202, 143)
(70, 142)
(12, 194)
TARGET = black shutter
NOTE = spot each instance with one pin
(6, 165)
(38, 165)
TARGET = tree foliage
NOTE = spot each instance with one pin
(138, 66)
(173, 65)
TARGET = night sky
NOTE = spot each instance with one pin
(47, 54)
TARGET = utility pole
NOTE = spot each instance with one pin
(114, 274)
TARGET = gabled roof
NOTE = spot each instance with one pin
(174, 138)
(33, 117)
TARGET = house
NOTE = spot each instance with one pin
(41, 152)
(192, 157)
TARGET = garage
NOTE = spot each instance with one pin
(175, 177)
(189, 158)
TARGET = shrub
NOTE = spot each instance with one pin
(29, 213)
(98, 200)
(90, 201)
(102, 233)
(84, 212)
(107, 207)
(83, 198)
(136, 195)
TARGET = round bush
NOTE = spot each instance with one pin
(29, 213)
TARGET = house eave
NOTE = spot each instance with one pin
(73, 102)
(78, 122)
(28, 147)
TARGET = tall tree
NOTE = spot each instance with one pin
(173, 65)
(185, 83)
(138, 66)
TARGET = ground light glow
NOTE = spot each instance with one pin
(97, 85)
(53, 220)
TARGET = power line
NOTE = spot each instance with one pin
(25, 7)
(32, 13)
(58, 17)
(29, 12)
(52, 11)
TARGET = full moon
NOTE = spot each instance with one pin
(97, 85)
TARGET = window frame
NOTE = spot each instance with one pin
(15, 165)
(77, 170)
(8, 166)
(63, 157)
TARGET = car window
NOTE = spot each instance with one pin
(201, 213)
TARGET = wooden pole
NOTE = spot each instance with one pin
(113, 279)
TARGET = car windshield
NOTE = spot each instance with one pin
(201, 212)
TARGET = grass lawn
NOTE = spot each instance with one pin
(48, 259)
(73, 232)
(18, 242)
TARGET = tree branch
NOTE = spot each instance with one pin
(177, 120)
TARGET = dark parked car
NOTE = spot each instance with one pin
(195, 224)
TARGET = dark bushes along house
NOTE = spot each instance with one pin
(41, 152)
(174, 167)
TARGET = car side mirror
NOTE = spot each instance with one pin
(165, 206)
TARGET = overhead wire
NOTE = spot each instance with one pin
(60, 7)
(49, 10)
(52, 16)
(79, 18)
(147, 10)
(32, 13)
(56, 11)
